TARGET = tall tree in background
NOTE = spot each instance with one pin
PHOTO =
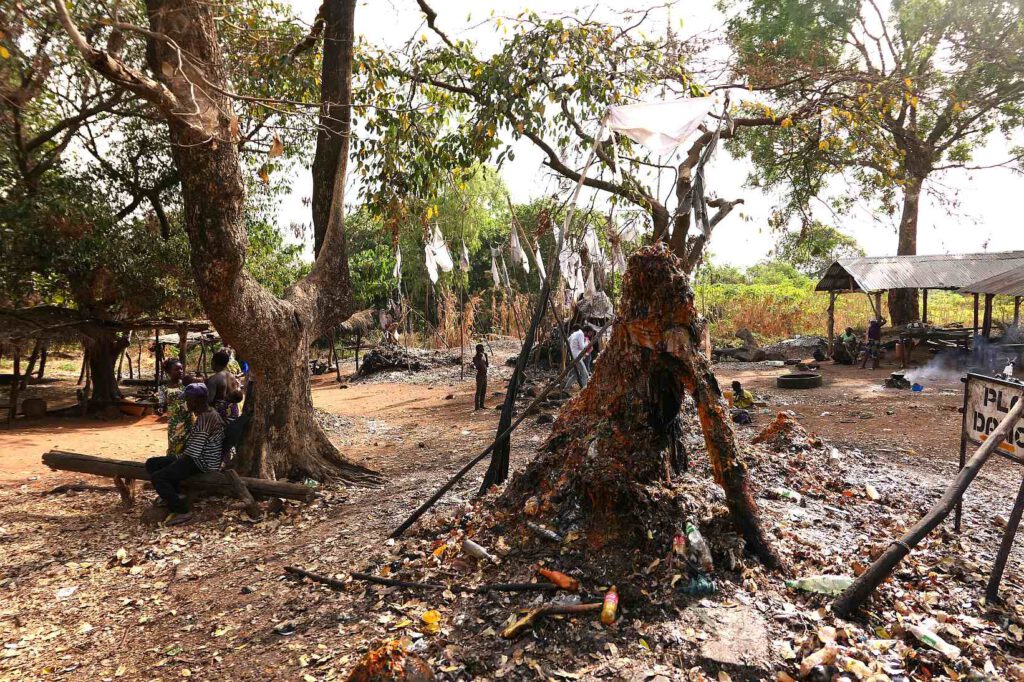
(815, 247)
(902, 94)
(187, 85)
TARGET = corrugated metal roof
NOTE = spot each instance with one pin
(950, 271)
(1009, 283)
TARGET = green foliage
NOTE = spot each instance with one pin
(813, 249)
(916, 93)
(62, 245)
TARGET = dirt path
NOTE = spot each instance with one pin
(203, 599)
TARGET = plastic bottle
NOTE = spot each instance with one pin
(934, 641)
(787, 494)
(698, 550)
(822, 584)
(679, 545)
(610, 606)
(560, 579)
(476, 551)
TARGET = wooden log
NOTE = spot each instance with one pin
(393, 582)
(862, 588)
(215, 481)
(242, 493)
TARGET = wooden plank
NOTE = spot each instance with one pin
(214, 481)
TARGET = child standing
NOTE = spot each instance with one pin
(481, 363)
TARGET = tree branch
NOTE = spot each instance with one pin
(121, 74)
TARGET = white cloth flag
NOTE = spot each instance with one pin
(494, 269)
(540, 263)
(442, 255)
(517, 250)
(618, 259)
(659, 126)
(464, 263)
(396, 271)
(428, 253)
(593, 246)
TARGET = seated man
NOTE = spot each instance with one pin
(203, 452)
(742, 402)
(845, 351)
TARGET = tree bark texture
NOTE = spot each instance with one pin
(272, 334)
(903, 306)
(612, 445)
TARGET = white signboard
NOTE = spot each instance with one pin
(987, 402)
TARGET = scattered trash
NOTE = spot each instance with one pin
(477, 552)
(697, 549)
(787, 494)
(926, 635)
(543, 532)
(560, 579)
(65, 592)
(531, 506)
(699, 586)
(822, 584)
(610, 605)
(871, 492)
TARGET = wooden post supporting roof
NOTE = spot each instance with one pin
(1016, 310)
(976, 308)
(924, 306)
(832, 295)
(986, 323)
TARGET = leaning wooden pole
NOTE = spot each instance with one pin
(862, 588)
(497, 472)
(557, 381)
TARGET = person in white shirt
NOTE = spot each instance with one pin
(578, 341)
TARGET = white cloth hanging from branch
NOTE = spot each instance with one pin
(593, 246)
(540, 263)
(590, 289)
(428, 254)
(659, 126)
(504, 270)
(464, 261)
(517, 250)
(494, 268)
(618, 259)
(442, 255)
(396, 271)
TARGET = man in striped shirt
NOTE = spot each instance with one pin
(203, 452)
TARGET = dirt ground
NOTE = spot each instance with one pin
(91, 591)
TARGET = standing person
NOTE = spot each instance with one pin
(172, 403)
(203, 451)
(874, 342)
(480, 362)
(224, 390)
(579, 374)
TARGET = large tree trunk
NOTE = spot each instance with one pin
(611, 447)
(903, 307)
(102, 351)
(271, 334)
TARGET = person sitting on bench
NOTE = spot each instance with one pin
(203, 452)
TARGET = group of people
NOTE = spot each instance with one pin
(848, 346)
(582, 344)
(198, 413)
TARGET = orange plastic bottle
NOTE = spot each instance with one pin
(560, 579)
